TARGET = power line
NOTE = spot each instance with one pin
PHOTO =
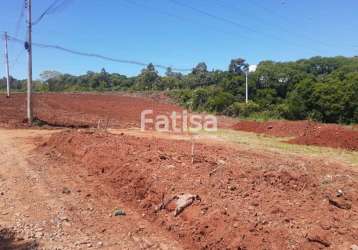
(17, 58)
(237, 24)
(260, 20)
(155, 9)
(181, 18)
(61, 6)
(301, 34)
(51, 9)
(40, 45)
(46, 12)
(219, 18)
(20, 18)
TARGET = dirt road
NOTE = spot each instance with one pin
(50, 208)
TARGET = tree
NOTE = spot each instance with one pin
(49, 74)
(319, 88)
(300, 100)
(219, 101)
(148, 78)
(200, 68)
(104, 79)
(170, 73)
(238, 66)
(200, 77)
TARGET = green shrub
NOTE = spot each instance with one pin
(240, 109)
(183, 97)
(200, 98)
(265, 115)
(280, 110)
(219, 101)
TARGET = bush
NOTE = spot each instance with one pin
(265, 115)
(280, 111)
(220, 101)
(240, 109)
(183, 97)
(200, 98)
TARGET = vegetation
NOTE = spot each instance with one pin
(322, 89)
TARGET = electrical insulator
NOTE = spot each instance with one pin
(27, 46)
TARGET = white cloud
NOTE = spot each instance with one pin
(252, 68)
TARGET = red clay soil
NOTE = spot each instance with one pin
(115, 110)
(81, 110)
(245, 200)
(123, 111)
(305, 132)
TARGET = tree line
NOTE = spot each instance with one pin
(320, 88)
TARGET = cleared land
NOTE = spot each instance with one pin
(306, 132)
(248, 191)
(81, 110)
(123, 111)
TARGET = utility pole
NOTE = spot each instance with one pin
(247, 87)
(28, 46)
(7, 67)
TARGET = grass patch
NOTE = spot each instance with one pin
(278, 144)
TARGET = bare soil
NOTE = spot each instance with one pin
(305, 132)
(47, 203)
(121, 110)
(81, 110)
(246, 200)
(61, 189)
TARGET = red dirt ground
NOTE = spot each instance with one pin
(123, 111)
(81, 109)
(247, 200)
(305, 132)
(120, 110)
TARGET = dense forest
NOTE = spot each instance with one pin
(319, 88)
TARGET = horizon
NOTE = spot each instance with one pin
(214, 33)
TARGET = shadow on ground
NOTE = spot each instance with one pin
(9, 241)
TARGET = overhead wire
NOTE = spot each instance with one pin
(132, 2)
(60, 48)
(20, 18)
(54, 7)
(57, 5)
(240, 25)
(264, 22)
(181, 18)
(17, 58)
(287, 20)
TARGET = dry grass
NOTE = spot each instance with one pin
(275, 144)
(256, 142)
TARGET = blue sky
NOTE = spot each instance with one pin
(163, 32)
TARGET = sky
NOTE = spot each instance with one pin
(178, 33)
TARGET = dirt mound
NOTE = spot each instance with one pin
(243, 200)
(275, 128)
(305, 132)
(329, 135)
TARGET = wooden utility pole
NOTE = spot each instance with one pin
(7, 67)
(29, 50)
